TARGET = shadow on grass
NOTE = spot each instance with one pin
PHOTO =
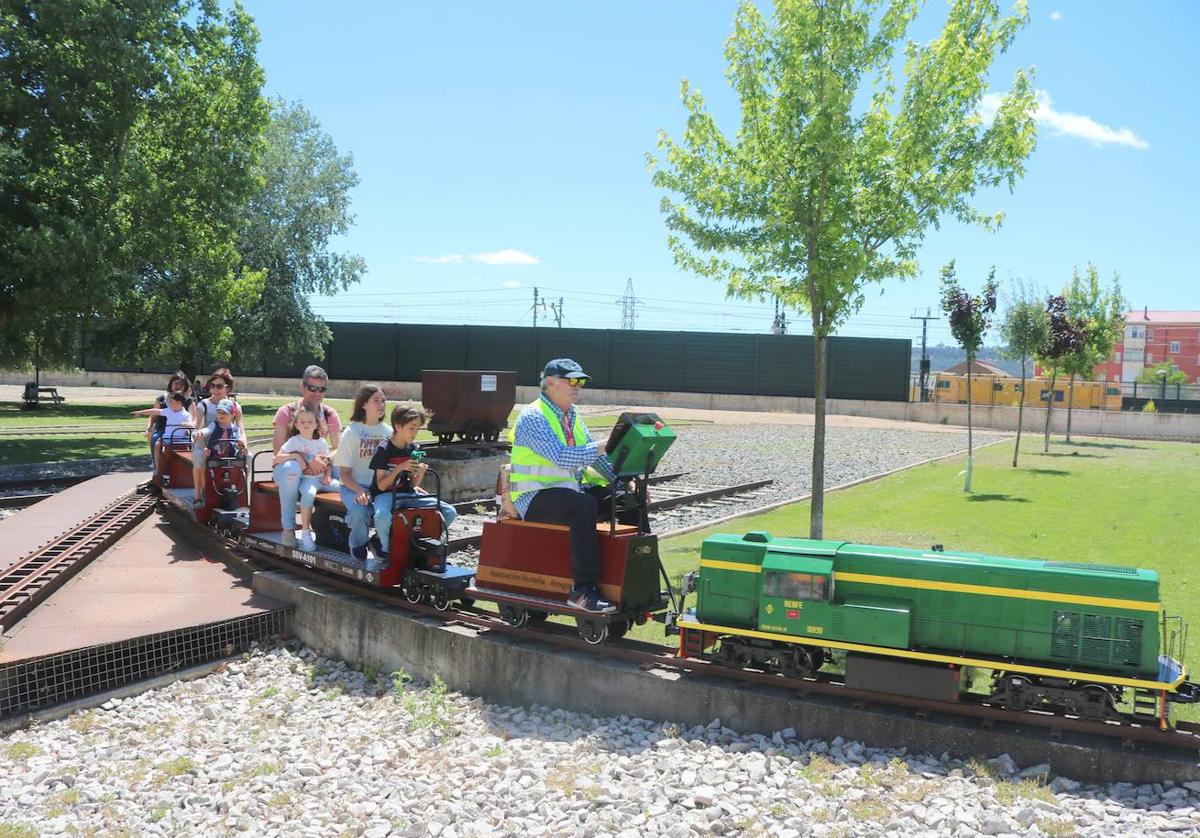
(55, 449)
(1005, 498)
(1106, 445)
(1053, 472)
(1072, 454)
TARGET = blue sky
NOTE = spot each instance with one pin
(501, 147)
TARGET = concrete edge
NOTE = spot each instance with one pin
(520, 672)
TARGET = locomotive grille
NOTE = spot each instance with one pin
(1097, 638)
(1098, 568)
(1128, 646)
(1064, 635)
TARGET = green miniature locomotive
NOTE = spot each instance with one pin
(1063, 635)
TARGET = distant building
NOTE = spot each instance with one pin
(977, 368)
(1154, 337)
(1151, 337)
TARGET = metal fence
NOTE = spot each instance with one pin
(695, 362)
(1102, 395)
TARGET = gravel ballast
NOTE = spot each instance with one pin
(286, 742)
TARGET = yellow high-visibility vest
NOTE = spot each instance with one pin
(532, 472)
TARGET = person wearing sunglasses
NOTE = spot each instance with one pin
(204, 415)
(313, 385)
(560, 476)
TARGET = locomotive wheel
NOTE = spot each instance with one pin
(466, 601)
(445, 439)
(800, 663)
(537, 616)
(440, 599)
(514, 615)
(413, 593)
(1094, 703)
(592, 631)
(1020, 695)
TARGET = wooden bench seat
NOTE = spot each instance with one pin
(333, 499)
(603, 526)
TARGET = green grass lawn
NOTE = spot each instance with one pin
(1118, 502)
(81, 431)
(94, 431)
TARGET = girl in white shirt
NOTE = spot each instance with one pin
(362, 437)
(303, 445)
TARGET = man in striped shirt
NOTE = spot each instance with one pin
(560, 476)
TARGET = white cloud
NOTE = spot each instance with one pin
(1070, 124)
(512, 283)
(1056, 16)
(497, 257)
(506, 257)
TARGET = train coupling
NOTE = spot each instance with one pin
(687, 582)
(1186, 693)
(669, 620)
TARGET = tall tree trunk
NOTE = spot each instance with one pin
(816, 521)
(1070, 402)
(1050, 408)
(970, 436)
(1020, 412)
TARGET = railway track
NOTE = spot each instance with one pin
(28, 582)
(1186, 735)
(673, 503)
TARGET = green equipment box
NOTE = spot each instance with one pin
(637, 444)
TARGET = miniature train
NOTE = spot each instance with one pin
(1080, 639)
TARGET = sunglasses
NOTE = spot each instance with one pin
(576, 382)
(315, 388)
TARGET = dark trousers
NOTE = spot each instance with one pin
(580, 511)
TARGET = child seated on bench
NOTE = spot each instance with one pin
(305, 445)
(177, 416)
(398, 474)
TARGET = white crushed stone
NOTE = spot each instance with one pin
(286, 742)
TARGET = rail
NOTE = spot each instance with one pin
(28, 582)
(1186, 735)
(679, 498)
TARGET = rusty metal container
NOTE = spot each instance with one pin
(472, 404)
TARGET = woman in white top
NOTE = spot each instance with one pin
(362, 437)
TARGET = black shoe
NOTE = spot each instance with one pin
(376, 546)
(359, 553)
(588, 599)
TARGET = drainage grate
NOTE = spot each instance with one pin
(33, 684)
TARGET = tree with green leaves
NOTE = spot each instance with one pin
(303, 200)
(1025, 330)
(1102, 313)
(970, 318)
(1064, 336)
(836, 173)
(1158, 373)
(1161, 375)
(127, 144)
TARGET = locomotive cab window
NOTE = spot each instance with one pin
(809, 586)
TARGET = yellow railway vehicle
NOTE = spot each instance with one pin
(948, 388)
